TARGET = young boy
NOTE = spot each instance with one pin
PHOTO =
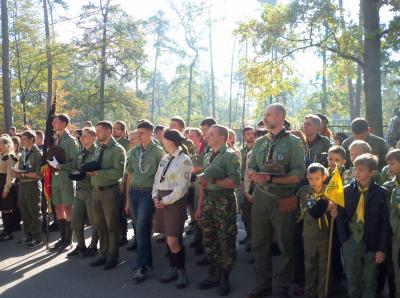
(313, 211)
(336, 155)
(356, 148)
(363, 228)
(393, 186)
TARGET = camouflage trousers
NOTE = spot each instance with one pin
(219, 227)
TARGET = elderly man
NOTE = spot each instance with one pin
(276, 165)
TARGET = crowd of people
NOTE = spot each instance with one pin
(161, 176)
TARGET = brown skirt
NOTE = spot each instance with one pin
(10, 203)
(170, 220)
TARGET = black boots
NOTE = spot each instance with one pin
(224, 284)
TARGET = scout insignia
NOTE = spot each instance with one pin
(311, 201)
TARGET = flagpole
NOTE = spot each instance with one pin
(328, 268)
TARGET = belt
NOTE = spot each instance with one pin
(218, 191)
(105, 187)
(163, 193)
(142, 189)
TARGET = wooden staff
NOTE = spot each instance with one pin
(328, 268)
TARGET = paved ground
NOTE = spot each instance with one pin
(39, 273)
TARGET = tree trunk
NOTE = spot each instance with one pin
(49, 57)
(231, 83)
(244, 89)
(8, 115)
(189, 112)
(372, 74)
(211, 65)
(351, 98)
(153, 93)
(103, 65)
(357, 99)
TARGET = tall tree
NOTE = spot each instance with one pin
(212, 79)
(5, 67)
(48, 56)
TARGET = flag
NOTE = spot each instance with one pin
(334, 190)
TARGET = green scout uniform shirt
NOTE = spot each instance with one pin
(124, 142)
(288, 151)
(143, 175)
(311, 228)
(243, 154)
(112, 164)
(228, 161)
(315, 149)
(378, 146)
(393, 187)
(30, 161)
(71, 148)
(85, 156)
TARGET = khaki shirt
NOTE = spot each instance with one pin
(143, 164)
(30, 161)
(112, 164)
(85, 156)
(177, 177)
(288, 151)
(393, 187)
(228, 161)
(71, 148)
(124, 142)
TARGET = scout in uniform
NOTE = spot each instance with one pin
(106, 180)
(313, 212)
(245, 205)
(120, 133)
(281, 156)
(62, 188)
(363, 228)
(218, 209)
(360, 130)
(142, 166)
(393, 186)
(83, 199)
(30, 188)
(316, 144)
(171, 184)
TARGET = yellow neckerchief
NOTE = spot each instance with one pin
(317, 197)
(361, 203)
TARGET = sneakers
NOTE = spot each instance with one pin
(24, 242)
(139, 275)
(182, 280)
(259, 292)
(35, 243)
(6, 237)
(56, 246)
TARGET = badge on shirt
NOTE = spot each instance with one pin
(311, 201)
(163, 163)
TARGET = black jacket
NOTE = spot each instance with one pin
(376, 225)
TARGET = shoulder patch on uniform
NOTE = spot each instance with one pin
(187, 163)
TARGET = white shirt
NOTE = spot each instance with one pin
(177, 177)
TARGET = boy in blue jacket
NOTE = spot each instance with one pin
(363, 228)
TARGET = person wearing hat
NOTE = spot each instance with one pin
(171, 184)
(217, 209)
(274, 202)
(110, 157)
(30, 188)
(83, 199)
(62, 188)
(142, 165)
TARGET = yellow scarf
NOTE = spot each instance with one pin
(361, 204)
(317, 197)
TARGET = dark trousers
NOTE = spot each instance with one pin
(143, 209)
